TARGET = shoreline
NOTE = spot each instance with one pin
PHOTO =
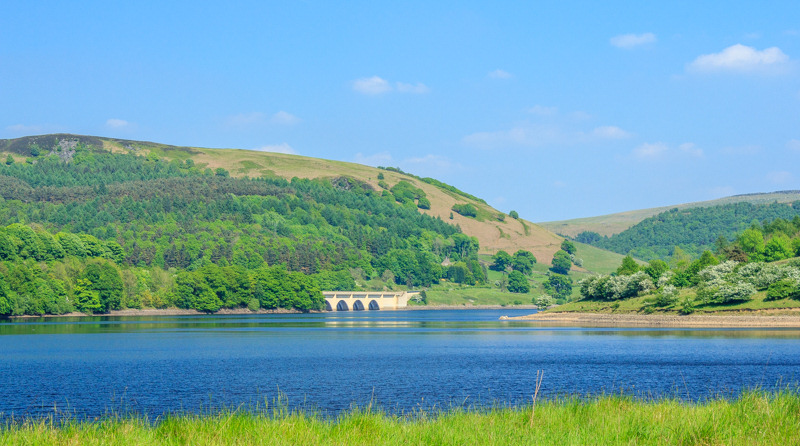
(133, 312)
(663, 320)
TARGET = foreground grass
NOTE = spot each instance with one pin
(756, 417)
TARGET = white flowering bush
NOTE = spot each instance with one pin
(664, 279)
(738, 292)
(666, 296)
(543, 301)
(716, 275)
(615, 287)
(762, 275)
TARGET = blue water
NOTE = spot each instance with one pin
(401, 361)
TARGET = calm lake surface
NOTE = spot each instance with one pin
(401, 360)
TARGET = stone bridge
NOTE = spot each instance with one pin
(365, 300)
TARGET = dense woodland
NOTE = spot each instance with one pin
(88, 230)
(693, 230)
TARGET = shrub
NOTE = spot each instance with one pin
(667, 296)
(517, 283)
(543, 301)
(782, 289)
(739, 292)
(465, 209)
(687, 306)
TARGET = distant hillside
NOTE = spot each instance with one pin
(494, 229)
(693, 230)
(615, 223)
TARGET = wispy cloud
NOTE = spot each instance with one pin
(245, 119)
(118, 124)
(376, 85)
(277, 148)
(630, 41)
(742, 150)
(610, 132)
(25, 129)
(430, 164)
(793, 145)
(780, 177)
(650, 150)
(372, 85)
(541, 110)
(500, 74)
(417, 88)
(742, 59)
(376, 159)
(260, 119)
(660, 150)
(430, 161)
(537, 135)
(284, 118)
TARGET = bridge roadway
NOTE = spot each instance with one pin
(366, 300)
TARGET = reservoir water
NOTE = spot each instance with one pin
(401, 361)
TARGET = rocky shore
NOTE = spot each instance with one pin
(755, 320)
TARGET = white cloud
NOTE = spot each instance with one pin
(721, 191)
(376, 85)
(260, 119)
(277, 148)
(741, 58)
(25, 129)
(246, 119)
(690, 148)
(377, 159)
(752, 36)
(371, 85)
(650, 150)
(628, 41)
(535, 135)
(741, 150)
(500, 74)
(430, 161)
(610, 132)
(412, 88)
(659, 150)
(780, 177)
(793, 145)
(284, 118)
(117, 123)
(542, 110)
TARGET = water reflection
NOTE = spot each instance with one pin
(403, 360)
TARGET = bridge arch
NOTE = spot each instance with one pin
(342, 306)
(373, 305)
(358, 306)
(328, 305)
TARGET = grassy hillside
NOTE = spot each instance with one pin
(494, 230)
(615, 223)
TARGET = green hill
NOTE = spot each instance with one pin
(611, 224)
(693, 230)
(97, 224)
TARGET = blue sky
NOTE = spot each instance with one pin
(554, 109)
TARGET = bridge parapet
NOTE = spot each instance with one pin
(365, 300)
